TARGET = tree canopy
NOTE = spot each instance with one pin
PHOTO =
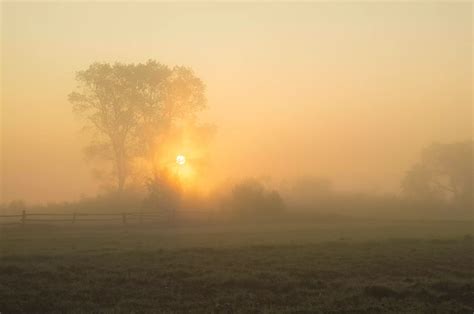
(127, 105)
(445, 171)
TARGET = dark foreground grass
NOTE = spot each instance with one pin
(398, 275)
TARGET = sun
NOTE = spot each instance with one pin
(180, 160)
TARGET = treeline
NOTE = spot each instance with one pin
(438, 186)
(140, 116)
(250, 199)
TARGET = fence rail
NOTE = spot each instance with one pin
(125, 218)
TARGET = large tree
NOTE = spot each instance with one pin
(128, 104)
(445, 171)
(166, 96)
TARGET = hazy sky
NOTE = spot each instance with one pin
(351, 92)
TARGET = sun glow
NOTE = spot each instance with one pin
(180, 160)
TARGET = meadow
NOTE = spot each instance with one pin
(347, 266)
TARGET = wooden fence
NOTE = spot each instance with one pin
(75, 217)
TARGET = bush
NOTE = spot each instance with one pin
(251, 198)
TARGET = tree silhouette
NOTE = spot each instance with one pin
(165, 97)
(250, 197)
(445, 171)
(127, 104)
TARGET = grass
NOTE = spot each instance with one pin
(305, 268)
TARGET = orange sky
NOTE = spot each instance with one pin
(346, 91)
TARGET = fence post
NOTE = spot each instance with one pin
(124, 218)
(73, 217)
(141, 217)
(23, 217)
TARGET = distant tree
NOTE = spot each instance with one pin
(128, 104)
(164, 192)
(250, 198)
(445, 171)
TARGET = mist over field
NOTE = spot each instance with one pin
(347, 92)
(236, 157)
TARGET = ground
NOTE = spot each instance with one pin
(294, 267)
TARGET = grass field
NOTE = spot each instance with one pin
(309, 267)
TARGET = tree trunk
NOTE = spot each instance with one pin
(121, 165)
(120, 182)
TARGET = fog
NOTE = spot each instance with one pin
(348, 93)
(257, 157)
